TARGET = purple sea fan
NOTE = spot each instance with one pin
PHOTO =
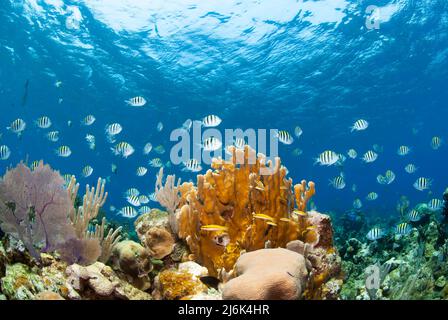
(34, 208)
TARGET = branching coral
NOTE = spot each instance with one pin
(81, 217)
(236, 208)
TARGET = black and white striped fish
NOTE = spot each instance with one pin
(137, 101)
(212, 144)
(134, 200)
(17, 126)
(372, 196)
(5, 152)
(414, 215)
(436, 142)
(375, 234)
(43, 122)
(403, 229)
(141, 171)
(422, 183)
(435, 204)
(338, 182)
(155, 163)
(113, 129)
(327, 158)
(192, 165)
(53, 136)
(88, 120)
(410, 168)
(87, 171)
(211, 121)
(360, 125)
(128, 212)
(285, 137)
(63, 151)
(123, 149)
(403, 150)
(370, 156)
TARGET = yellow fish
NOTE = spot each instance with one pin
(263, 217)
(300, 213)
(213, 227)
(285, 219)
(272, 223)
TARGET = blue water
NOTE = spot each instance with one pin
(257, 64)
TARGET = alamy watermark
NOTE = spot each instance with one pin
(190, 145)
(373, 20)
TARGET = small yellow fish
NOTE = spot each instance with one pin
(272, 223)
(213, 227)
(263, 217)
(285, 219)
(300, 213)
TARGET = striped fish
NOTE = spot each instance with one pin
(63, 151)
(88, 120)
(370, 156)
(192, 165)
(43, 122)
(327, 158)
(34, 165)
(422, 183)
(123, 149)
(403, 150)
(212, 144)
(137, 101)
(17, 126)
(87, 171)
(414, 215)
(144, 210)
(436, 142)
(375, 234)
(133, 200)
(53, 136)
(372, 196)
(155, 163)
(5, 152)
(141, 171)
(435, 204)
(338, 182)
(143, 199)
(403, 229)
(211, 121)
(128, 212)
(113, 129)
(410, 168)
(360, 125)
(285, 137)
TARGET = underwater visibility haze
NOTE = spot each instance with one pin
(350, 94)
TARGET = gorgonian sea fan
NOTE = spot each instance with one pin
(34, 208)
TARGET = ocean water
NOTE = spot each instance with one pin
(320, 65)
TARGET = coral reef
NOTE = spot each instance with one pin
(235, 209)
(284, 276)
(408, 267)
(212, 243)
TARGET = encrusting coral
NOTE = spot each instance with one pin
(234, 208)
